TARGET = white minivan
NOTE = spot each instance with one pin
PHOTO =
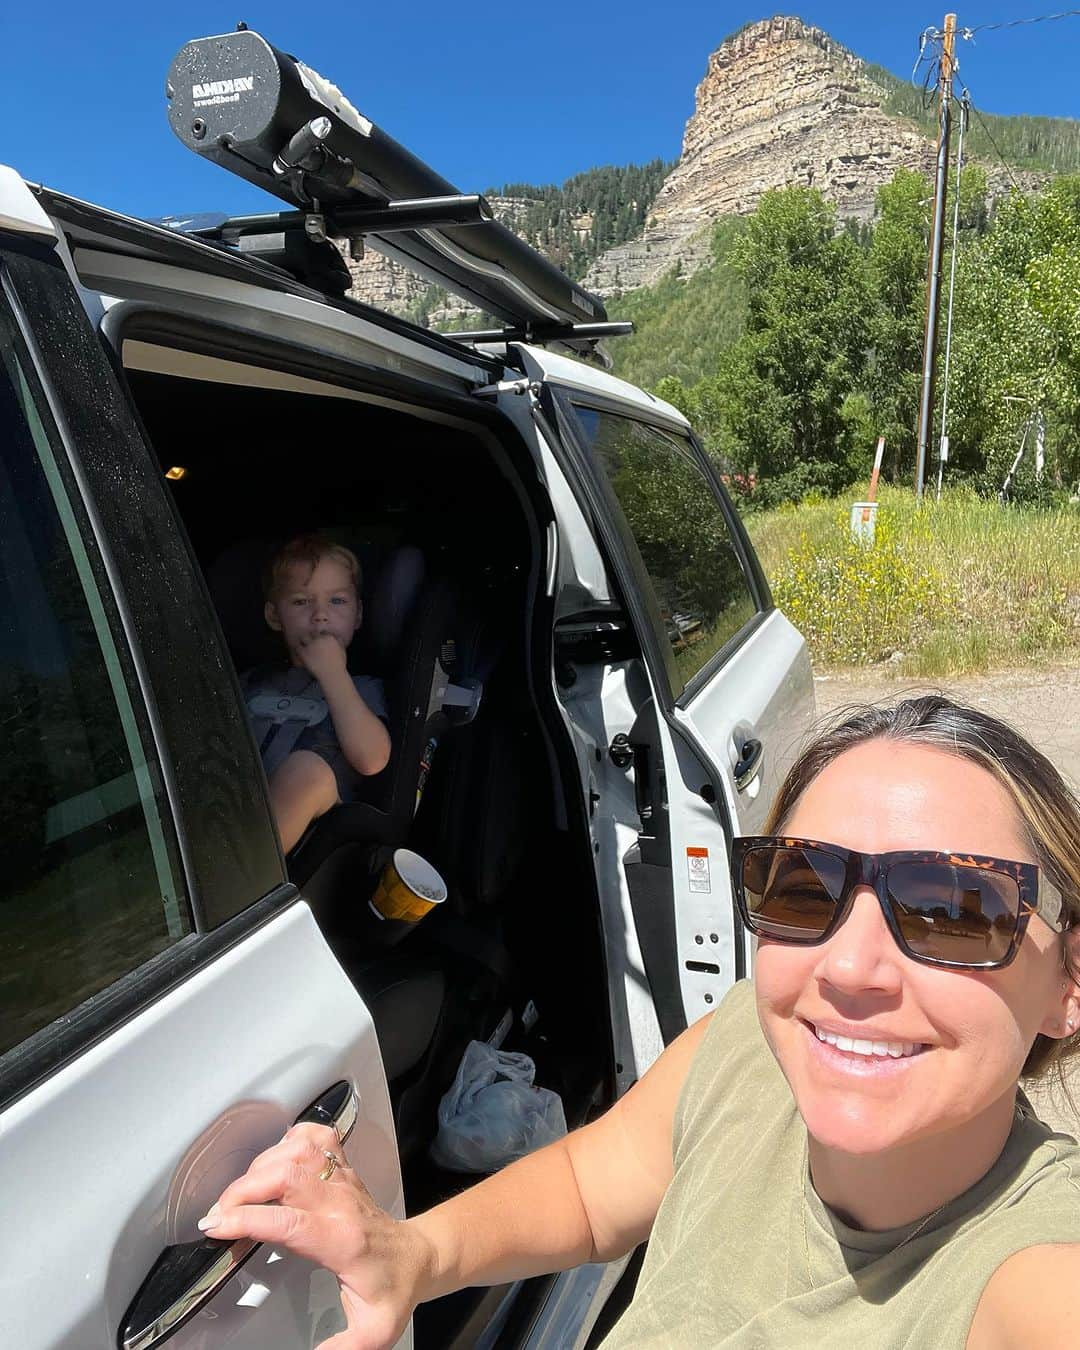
(589, 692)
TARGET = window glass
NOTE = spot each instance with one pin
(678, 524)
(88, 889)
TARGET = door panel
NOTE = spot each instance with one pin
(121, 1152)
(729, 675)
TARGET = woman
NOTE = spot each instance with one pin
(839, 1154)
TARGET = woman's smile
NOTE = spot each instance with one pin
(864, 1055)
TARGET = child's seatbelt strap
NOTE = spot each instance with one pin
(279, 720)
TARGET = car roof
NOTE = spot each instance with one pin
(35, 209)
(89, 225)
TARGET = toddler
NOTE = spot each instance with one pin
(318, 727)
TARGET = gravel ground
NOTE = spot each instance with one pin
(1044, 704)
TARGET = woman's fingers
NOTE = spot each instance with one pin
(369, 1328)
(301, 1143)
(315, 1237)
(277, 1180)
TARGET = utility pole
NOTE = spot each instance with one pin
(933, 273)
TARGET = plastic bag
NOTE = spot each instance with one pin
(493, 1114)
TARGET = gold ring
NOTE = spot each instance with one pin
(333, 1162)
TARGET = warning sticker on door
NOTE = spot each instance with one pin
(697, 867)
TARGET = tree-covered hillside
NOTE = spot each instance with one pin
(591, 212)
(818, 350)
(682, 323)
(1050, 144)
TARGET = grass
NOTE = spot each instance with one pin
(954, 588)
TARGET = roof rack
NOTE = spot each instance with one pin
(540, 333)
(265, 116)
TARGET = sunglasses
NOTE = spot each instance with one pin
(943, 909)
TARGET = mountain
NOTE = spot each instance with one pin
(781, 103)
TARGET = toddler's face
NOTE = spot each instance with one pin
(310, 604)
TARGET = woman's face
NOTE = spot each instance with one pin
(973, 1030)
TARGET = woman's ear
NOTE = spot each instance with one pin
(270, 614)
(1071, 977)
(1064, 1021)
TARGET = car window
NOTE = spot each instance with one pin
(90, 888)
(681, 532)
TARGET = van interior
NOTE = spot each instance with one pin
(447, 521)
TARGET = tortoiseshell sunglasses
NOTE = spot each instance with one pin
(943, 909)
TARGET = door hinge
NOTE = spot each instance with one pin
(530, 387)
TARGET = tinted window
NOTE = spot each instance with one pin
(88, 889)
(681, 532)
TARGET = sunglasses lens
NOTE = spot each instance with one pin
(791, 893)
(967, 915)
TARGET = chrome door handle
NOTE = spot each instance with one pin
(748, 765)
(187, 1275)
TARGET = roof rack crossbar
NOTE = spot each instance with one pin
(539, 333)
(350, 222)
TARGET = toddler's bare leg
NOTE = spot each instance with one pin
(302, 788)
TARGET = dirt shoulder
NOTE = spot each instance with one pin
(1043, 703)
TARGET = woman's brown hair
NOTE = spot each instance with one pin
(1048, 808)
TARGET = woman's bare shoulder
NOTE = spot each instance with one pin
(1030, 1301)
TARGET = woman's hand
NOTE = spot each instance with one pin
(382, 1264)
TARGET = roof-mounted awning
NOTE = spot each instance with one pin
(267, 117)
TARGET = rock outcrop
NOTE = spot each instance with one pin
(781, 104)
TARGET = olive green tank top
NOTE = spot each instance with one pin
(744, 1255)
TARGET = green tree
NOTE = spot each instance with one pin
(897, 262)
(1016, 344)
(808, 329)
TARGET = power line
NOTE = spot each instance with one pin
(1017, 23)
(990, 137)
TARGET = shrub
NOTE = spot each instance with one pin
(857, 603)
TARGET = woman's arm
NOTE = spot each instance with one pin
(591, 1196)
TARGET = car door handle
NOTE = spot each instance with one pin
(748, 765)
(187, 1275)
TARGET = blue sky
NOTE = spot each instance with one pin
(486, 93)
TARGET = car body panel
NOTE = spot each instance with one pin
(162, 1114)
(759, 685)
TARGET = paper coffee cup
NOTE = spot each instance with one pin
(408, 888)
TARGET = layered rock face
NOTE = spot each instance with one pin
(781, 105)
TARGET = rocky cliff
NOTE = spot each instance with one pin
(781, 104)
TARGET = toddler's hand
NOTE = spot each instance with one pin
(323, 655)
